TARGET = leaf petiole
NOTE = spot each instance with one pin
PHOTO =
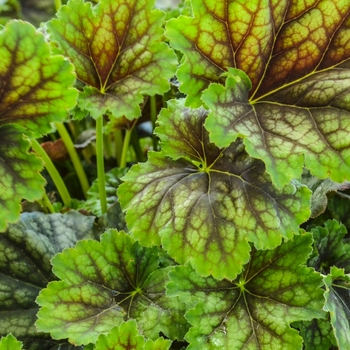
(118, 145)
(58, 4)
(48, 204)
(126, 143)
(74, 157)
(100, 164)
(55, 175)
(153, 105)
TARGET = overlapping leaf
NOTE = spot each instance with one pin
(117, 51)
(35, 89)
(206, 203)
(104, 284)
(338, 304)
(93, 204)
(127, 336)
(35, 86)
(19, 174)
(26, 249)
(330, 247)
(255, 310)
(317, 334)
(296, 55)
(320, 189)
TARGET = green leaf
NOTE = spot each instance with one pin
(10, 343)
(338, 304)
(253, 311)
(284, 134)
(26, 249)
(320, 189)
(104, 283)
(93, 203)
(330, 248)
(19, 174)
(317, 334)
(36, 86)
(338, 208)
(114, 218)
(206, 203)
(35, 90)
(117, 51)
(127, 336)
(297, 58)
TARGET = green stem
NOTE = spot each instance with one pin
(107, 146)
(48, 204)
(125, 147)
(100, 164)
(58, 4)
(153, 103)
(74, 157)
(55, 175)
(118, 145)
(135, 142)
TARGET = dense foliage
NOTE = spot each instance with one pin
(197, 197)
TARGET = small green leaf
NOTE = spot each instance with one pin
(127, 336)
(104, 283)
(317, 334)
(320, 189)
(330, 248)
(26, 249)
(117, 50)
(297, 58)
(206, 204)
(253, 311)
(93, 203)
(10, 343)
(338, 305)
(114, 218)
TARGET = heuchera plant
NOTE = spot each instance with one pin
(235, 227)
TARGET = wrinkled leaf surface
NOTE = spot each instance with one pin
(26, 249)
(337, 297)
(35, 89)
(330, 247)
(206, 203)
(10, 343)
(295, 108)
(127, 336)
(104, 283)
(117, 51)
(253, 311)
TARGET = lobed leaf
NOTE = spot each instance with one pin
(254, 310)
(104, 283)
(35, 90)
(206, 203)
(296, 55)
(117, 51)
(10, 343)
(320, 189)
(126, 336)
(35, 86)
(330, 247)
(112, 181)
(337, 304)
(317, 334)
(19, 174)
(26, 249)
